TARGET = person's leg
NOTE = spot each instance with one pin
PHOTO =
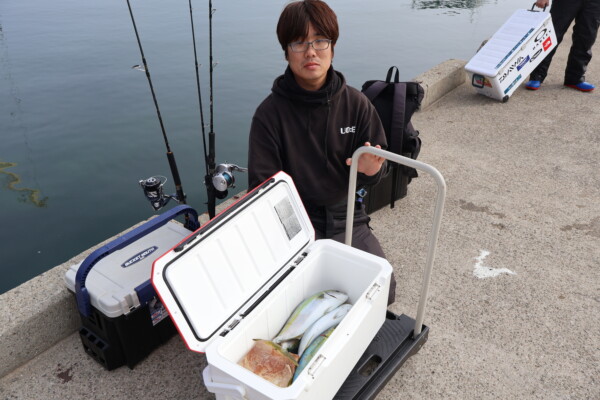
(332, 225)
(585, 31)
(364, 239)
(563, 12)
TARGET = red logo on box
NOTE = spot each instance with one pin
(547, 44)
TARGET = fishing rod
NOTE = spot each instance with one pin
(153, 186)
(210, 189)
(218, 177)
(198, 86)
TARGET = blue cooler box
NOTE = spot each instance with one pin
(122, 318)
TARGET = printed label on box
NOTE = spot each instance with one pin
(536, 54)
(158, 312)
(139, 256)
(512, 67)
(477, 81)
(288, 218)
(512, 84)
(525, 61)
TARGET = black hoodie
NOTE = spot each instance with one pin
(310, 134)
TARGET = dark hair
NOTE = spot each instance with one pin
(295, 17)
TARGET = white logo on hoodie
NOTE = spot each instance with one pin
(348, 129)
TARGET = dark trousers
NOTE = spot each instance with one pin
(586, 14)
(330, 223)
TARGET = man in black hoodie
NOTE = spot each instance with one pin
(311, 124)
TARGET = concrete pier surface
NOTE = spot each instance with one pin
(514, 301)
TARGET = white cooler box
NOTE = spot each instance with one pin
(240, 277)
(508, 58)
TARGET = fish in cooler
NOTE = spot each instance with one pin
(327, 321)
(276, 360)
(311, 350)
(269, 361)
(308, 312)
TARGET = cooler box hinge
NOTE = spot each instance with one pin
(264, 295)
(300, 258)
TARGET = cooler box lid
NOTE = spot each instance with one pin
(115, 281)
(506, 42)
(214, 278)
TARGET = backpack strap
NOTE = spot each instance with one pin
(398, 114)
(375, 90)
(388, 79)
(397, 123)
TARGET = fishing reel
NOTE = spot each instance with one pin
(154, 192)
(223, 178)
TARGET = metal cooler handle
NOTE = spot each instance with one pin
(81, 293)
(437, 214)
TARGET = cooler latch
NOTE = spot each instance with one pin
(374, 289)
(312, 370)
(265, 294)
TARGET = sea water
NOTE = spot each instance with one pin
(79, 128)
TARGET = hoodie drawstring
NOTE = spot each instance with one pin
(327, 126)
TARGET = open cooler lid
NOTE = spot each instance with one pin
(213, 279)
(506, 42)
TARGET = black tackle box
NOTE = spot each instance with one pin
(122, 318)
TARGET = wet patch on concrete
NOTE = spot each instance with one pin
(592, 229)
(65, 375)
(586, 296)
(472, 207)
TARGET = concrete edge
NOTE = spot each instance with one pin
(440, 80)
(41, 312)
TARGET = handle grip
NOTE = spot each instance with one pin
(437, 214)
(533, 6)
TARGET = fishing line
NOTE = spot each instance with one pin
(198, 87)
(212, 65)
(170, 155)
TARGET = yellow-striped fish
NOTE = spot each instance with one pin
(308, 312)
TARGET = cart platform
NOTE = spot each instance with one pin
(387, 352)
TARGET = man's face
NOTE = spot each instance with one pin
(310, 67)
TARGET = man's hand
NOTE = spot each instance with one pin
(368, 164)
(542, 3)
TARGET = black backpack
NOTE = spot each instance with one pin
(395, 103)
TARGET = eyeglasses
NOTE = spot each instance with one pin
(319, 44)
